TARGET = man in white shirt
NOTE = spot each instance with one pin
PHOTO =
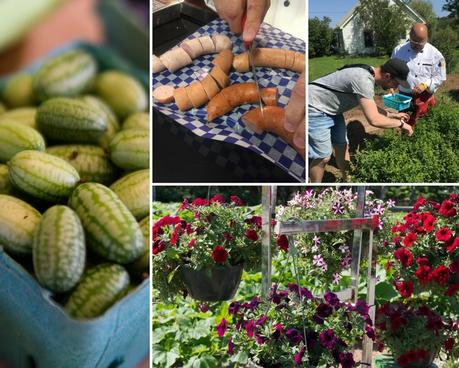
(427, 70)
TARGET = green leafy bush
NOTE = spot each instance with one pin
(429, 156)
(446, 40)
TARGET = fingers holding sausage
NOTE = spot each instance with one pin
(231, 12)
(256, 11)
(295, 110)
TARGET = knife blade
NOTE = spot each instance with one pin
(250, 49)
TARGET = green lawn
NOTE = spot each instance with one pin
(323, 65)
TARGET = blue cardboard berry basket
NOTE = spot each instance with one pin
(35, 331)
(397, 101)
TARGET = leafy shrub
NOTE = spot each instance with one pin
(429, 156)
(320, 37)
(446, 40)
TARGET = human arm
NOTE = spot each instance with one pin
(370, 109)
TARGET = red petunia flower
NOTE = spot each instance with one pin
(236, 200)
(452, 290)
(440, 274)
(219, 254)
(409, 239)
(218, 198)
(449, 344)
(200, 202)
(454, 267)
(424, 275)
(158, 246)
(404, 256)
(405, 288)
(452, 245)
(447, 209)
(420, 201)
(443, 234)
(251, 234)
(191, 243)
(282, 242)
(422, 261)
(428, 222)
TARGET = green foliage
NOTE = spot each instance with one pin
(386, 22)
(429, 156)
(425, 9)
(452, 6)
(446, 40)
(320, 37)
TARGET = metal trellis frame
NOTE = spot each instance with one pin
(358, 225)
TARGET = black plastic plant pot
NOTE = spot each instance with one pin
(212, 285)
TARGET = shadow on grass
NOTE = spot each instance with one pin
(454, 94)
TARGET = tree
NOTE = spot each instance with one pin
(320, 37)
(385, 22)
(452, 6)
(425, 9)
(445, 40)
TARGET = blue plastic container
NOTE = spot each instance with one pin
(397, 101)
(35, 331)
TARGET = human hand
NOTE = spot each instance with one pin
(408, 129)
(401, 116)
(421, 87)
(392, 91)
(294, 120)
(232, 12)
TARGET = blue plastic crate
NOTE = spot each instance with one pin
(35, 331)
(397, 101)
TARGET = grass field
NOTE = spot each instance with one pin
(320, 66)
(323, 65)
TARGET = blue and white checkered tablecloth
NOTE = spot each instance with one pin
(230, 128)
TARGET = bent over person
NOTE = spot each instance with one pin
(338, 92)
(427, 70)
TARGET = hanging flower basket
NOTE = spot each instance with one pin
(211, 285)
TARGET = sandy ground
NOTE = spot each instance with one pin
(358, 128)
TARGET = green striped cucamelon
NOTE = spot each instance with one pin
(111, 230)
(67, 75)
(21, 115)
(18, 221)
(59, 251)
(130, 149)
(43, 175)
(134, 190)
(100, 288)
(91, 162)
(123, 93)
(70, 120)
(5, 185)
(18, 91)
(113, 126)
(15, 138)
(139, 120)
(142, 264)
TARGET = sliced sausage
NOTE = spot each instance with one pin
(224, 60)
(182, 100)
(175, 59)
(164, 94)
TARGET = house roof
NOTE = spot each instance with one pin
(352, 13)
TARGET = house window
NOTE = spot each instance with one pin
(368, 38)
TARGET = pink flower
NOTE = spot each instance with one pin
(221, 327)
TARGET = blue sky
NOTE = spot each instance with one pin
(336, 9)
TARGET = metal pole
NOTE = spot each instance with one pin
(357, 244)
(267, 208)
(371, 283)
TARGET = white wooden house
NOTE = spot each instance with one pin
(354, 39)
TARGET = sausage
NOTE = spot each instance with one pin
(222, 42)
(272, 58)
(197, 94)
(182, 100)
(220, 77)
(236, 95)
(164, 94)
(271, 121)
(157, 65)
(193, 47)
(207, 44)
(299, 63)
(175, 59)
(210, 86)
(224, 60)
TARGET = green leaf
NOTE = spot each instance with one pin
(385, 291)
(204, 361)
(241, 357)
(163, 358)
(171, 275)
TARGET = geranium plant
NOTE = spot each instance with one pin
(328, 254)
(293, 329)
(426, 249)
(204, 234)
(414, 334)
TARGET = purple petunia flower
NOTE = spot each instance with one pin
(324, 310)
(337, 208)
(278, 329)
(299, 356)
(230, 346)
(250, 328)
(234, 307)
(259, 339)
(362, 308)
(346, 360)
(294, 336)
(261, 320)
(327, 339)
(332, 299)
(370, 332)
(221, 327)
